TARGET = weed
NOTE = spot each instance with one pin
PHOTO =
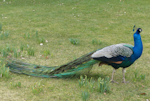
(41, 40)
(8, 49)
(91, 84)
(16, 53)
(84, 82)
(37, 88)
(0, 26)
(1, 36)
(81, 82)
(96, 42)
(30, 51)
(142, 76)
(138, 78)
(16, 85)
(103, 85)
(85, 95)
(22, 47)
(4, 71)
(36, 34)
(136, 74)
(46, 52)
(4, 53)
(27, 46)
(4, 35)
(74, 41)
(26, 35)
(24, 53)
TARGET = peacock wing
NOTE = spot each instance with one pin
(117, 52)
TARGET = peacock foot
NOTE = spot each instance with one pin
(112, 81)
(125, 81)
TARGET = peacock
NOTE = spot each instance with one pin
(118, 55)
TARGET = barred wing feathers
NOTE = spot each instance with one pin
(115, 52)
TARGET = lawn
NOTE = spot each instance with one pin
(25, 24)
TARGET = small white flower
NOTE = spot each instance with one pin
(3, 0)
(41, 44)
(22, 58)
(46, 41)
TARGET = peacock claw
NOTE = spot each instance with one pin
(125, 81)
(113, 81)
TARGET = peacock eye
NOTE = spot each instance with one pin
(140, 30)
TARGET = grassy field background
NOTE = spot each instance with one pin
(55, 21)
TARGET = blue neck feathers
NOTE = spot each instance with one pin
(138, 46)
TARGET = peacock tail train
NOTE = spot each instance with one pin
(65, 70)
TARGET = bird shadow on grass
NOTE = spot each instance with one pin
(89, 75)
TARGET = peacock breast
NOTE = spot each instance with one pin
(126, 63)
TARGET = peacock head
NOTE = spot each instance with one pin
(139, 30)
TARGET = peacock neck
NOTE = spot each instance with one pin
(138, 46)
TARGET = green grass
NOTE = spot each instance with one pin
(110, 21)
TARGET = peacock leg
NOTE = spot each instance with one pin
(123, 73)
(112, 77)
